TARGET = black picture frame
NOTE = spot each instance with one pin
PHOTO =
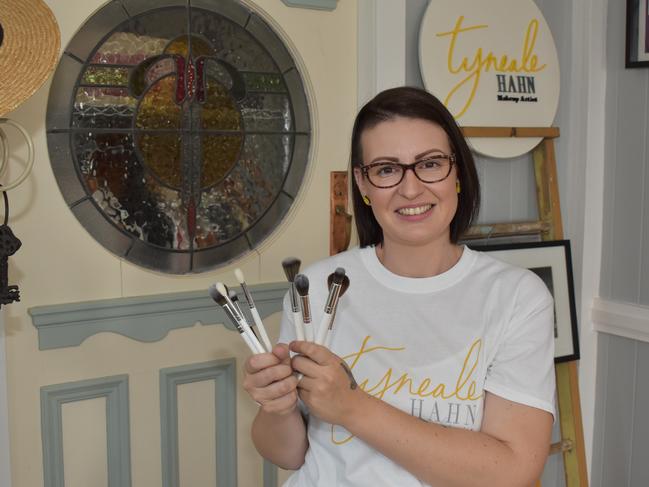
(552, 262)
(637, 34)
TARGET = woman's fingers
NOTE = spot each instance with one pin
(282, 405)
(281, 352)
(319, 354)
(267, 376)
(275, 390)
(305, 366)
(260, 361)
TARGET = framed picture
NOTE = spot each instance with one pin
(637, 33)
(552, 262)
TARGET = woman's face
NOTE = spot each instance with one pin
(413, 212)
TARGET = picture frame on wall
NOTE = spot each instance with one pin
(552, 262)
(637, 34)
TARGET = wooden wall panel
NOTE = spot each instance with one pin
(197, 433)
(639, 474)
(597, 464)
(84, 443)
(618, 425)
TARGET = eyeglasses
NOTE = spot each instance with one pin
(389, 174)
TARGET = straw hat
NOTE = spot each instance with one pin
(29, 49)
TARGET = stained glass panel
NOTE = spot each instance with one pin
(182, 132)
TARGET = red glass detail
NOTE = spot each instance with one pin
(191, 78)
(180, 79)
(200, 80)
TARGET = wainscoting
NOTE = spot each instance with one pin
(90, 435)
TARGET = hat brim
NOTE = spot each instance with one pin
(29, 50)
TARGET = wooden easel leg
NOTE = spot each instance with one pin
(574, 459)
(547, 189)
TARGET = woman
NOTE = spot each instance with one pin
(441, 366)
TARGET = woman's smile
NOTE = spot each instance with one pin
(418, 211)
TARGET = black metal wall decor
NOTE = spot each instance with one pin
(178, 131)
(9, 245)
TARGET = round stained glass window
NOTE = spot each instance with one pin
(178, 132)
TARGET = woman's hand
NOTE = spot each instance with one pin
(328, 387)
(270, 382)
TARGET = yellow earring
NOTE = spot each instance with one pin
(366, 200)
(457, 186)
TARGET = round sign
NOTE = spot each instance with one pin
(493, 64)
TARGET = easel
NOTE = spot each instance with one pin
(549, 226)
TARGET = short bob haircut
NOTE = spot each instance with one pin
(419, 104)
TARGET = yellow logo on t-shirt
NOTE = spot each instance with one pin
(464, 388)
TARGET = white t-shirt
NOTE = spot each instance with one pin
(430, 347)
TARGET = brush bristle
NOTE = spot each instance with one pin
(232, 294)
(239, 275)
(344, 286)
(336, 277)
(339, 275)
(291, 267)
(216, 295)
(220, 287)
(302, 284)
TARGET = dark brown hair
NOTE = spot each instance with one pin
(419, 104)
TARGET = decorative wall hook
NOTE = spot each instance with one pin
(9, 244)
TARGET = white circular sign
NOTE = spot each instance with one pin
(493, 64)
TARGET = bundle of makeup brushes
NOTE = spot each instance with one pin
(255, 335)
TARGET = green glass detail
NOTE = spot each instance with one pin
(101, 75)
(264, 82)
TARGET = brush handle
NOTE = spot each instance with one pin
(323, 329)
(308, 331)
(251, 346)
(328, 339)
(261, 328)
(299, 326)
(248, 331)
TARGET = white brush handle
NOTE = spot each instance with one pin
(261, 328)
(251, 346)
(329, 338)
(308, 331)
(299, 326)
(323, 329)
(248, 331)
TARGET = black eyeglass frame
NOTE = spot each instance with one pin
(450, 157)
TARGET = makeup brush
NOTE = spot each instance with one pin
(232, 294)
(253, 310)
(302, 287)
(330, 334)
(291, 267)
(220, 287)
(338, 284)
(221, 301)
(343, 290)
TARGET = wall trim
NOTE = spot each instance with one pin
(143, 318)
(622, 319)
(381, 47)
(5, 452)
(270, 474)
(223, 373)
(315, 4)
(115, 390)
(587, 119)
